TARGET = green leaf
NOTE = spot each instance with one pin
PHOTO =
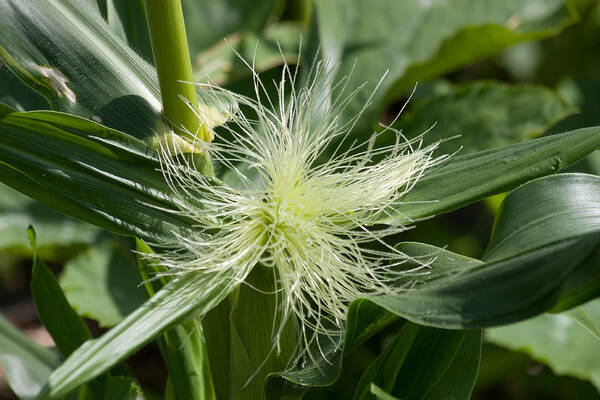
(240, 337)
(380, 394)
(59, 237)
(16, 94)
(101, 283)
(365, 318)
(465, 179)
(485, 115)
(546, 210)
(459, 379)
(417, 40)
(87, 171)
(425, 363)
(26, 364)
(580, 316)
(128, 20)
(208, 21)
(513, 283)
(185, 297)
(556, 340)
(122, 388)
(278, 43)
(68, 331)
(183, 347)
(64, 50)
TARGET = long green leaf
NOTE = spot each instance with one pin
(65, 50)
(88, 171)
(425, 363)
(185, 297)
(69, 331)
(183, 347)
(551, 209)
(465, 179)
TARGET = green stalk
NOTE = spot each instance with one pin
(173, 64)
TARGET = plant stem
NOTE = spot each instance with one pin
(173, 64)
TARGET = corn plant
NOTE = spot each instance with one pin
(263, 187)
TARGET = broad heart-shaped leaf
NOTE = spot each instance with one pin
(26, 364)
(88, 171)
(417, 40)
(425, 363)
(101, 283)
(59, 237)
(464, 179)
(64, 50)
(485, 115)
(556, 340)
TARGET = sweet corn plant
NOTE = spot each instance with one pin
(263, 187)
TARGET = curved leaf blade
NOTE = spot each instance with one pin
(466, 179)
(65, 50)
(87, 171)
(184, 297)
(560, 208)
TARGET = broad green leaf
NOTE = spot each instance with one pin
(26, 364)
(87, 171)
(56, 314)
(185, 297)
(59, 237)
(465, 179)
(485, 115)
(556, 340)
(425, 363)
(208, 21)
(219, 64)
(417, 40)
(101, 283)
(64, 50)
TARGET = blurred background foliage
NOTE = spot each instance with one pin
(490, 74)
